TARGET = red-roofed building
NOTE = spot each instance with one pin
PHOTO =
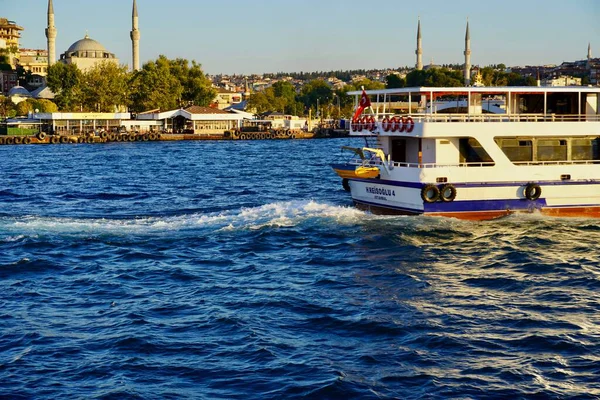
(195, 119)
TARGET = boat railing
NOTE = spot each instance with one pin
(438, 117)
(562, 162)
(376, 161)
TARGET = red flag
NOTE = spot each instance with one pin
(362, 104)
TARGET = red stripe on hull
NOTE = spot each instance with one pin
(473, 215)
(576, 212)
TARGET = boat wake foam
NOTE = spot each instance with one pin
(280, 214)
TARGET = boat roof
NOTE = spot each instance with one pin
(482, 89)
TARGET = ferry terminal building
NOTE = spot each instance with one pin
(190, 120)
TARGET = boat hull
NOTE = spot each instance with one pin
(477, 202)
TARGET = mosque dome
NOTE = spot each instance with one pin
(19, 91)
(86, 44)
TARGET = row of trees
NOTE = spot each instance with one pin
(163, 83)
(316, 97)
(168, 84)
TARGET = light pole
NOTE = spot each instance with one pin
(37, 111)
(318, 109)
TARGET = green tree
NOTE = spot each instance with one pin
(315, 91)
(65, 81)
(259, 102)
(7, 107)
(394, 81)
(23, 76)
(196, 87)
(285, 95)
(154, 87)
(45, 106)
(105, 87)
(24, 108)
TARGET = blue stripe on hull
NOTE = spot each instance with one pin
(418, 185)
(465, 206)
(485, 205)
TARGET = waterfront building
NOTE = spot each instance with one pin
(83, 123)
(194, 119)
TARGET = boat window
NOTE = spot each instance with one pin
(585, 149)
(516, 150)
(471, 151)
(551, 150)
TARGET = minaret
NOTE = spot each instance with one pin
(51, 35)
(419, 51)
(135, 38)
(589, 51)
(467, 57)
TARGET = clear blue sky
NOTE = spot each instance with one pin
(255, 36)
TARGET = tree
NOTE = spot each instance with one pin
(394, 81)
(155, 87)
(315, 91)
(31, 105)
(65, 81)
(23, 76)
(45, 106)
(197, 88)
(105, 87)
(24, 108)
(435, 77)
(7, 107)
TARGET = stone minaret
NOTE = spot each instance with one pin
(467, 57)
(419, 51)
(135, 39)
(51, 35)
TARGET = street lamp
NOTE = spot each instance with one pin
(39, 120)
(317, 108)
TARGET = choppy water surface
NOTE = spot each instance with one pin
(240, 270)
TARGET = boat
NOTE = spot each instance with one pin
(499, 151)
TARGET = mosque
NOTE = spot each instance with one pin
(87, 52)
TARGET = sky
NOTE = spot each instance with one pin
(261, 36)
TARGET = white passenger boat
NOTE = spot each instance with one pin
(540, 151)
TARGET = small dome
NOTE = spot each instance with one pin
(86, 44)
(19, 91)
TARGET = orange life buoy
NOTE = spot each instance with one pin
(394, 124)
(359, 124)
(370, 123)
(386, 124)
(410, 124)
(402, 126)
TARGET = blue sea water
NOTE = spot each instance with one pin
(240, 270)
